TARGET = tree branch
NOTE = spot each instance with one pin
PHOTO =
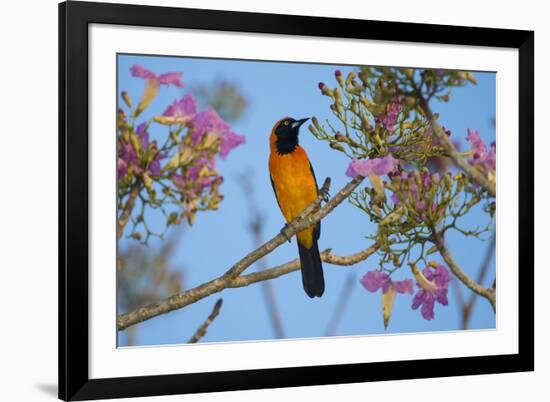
(294, 265)
(201, 331)
(462, 163)
(310, 216)
(475, 287)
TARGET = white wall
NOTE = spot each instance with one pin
(28, 197)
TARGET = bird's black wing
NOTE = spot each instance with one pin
(275, 191)
(317, 231)
(314, 178)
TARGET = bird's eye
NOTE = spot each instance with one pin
(286, 123)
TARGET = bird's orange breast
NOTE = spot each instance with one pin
(294, 185)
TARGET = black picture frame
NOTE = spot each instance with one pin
(74, 19)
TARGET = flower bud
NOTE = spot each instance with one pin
(148, 182)
(354, 106)
(417, 179)
(350, 77)
(337, 146)
(378, 140)
(325, 90)
(126, 136)
(339, 109)
(173, 163)
(174, 137)
(338, 96)
(135, 142)
(448, 182)
(315, 122)
(127, 99)
(339, 78)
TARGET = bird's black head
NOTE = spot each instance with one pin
(286, 132)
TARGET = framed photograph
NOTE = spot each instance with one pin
(202, 151)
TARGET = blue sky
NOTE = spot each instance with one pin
(220, 238)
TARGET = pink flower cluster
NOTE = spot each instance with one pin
(433, 285)
(481, 157)
(200, 123)
(389, 117)
(417, 191)
(376, 166)
(128, 155)
(192, 184)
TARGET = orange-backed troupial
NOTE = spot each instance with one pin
(295, 187)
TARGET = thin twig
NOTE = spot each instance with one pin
(462, 163)
(201, 331)
(256, 227)
(467, 308)
(340, 308)
(309, 217)
(294, 265)
(475, 287)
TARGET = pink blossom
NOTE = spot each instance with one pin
(230, 140)
(433, 285)
(186, 106)
(205, 122)
(375, 280)
(171, 78)
(141, 72)
(208, 121)
(377, 166)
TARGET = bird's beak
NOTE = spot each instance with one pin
(298, 123)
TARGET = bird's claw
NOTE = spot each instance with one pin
(325, 194)
(283, 232)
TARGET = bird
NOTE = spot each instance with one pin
(295, 186)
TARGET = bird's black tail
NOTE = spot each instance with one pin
(312, 270)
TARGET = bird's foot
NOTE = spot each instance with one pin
(283, 232)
